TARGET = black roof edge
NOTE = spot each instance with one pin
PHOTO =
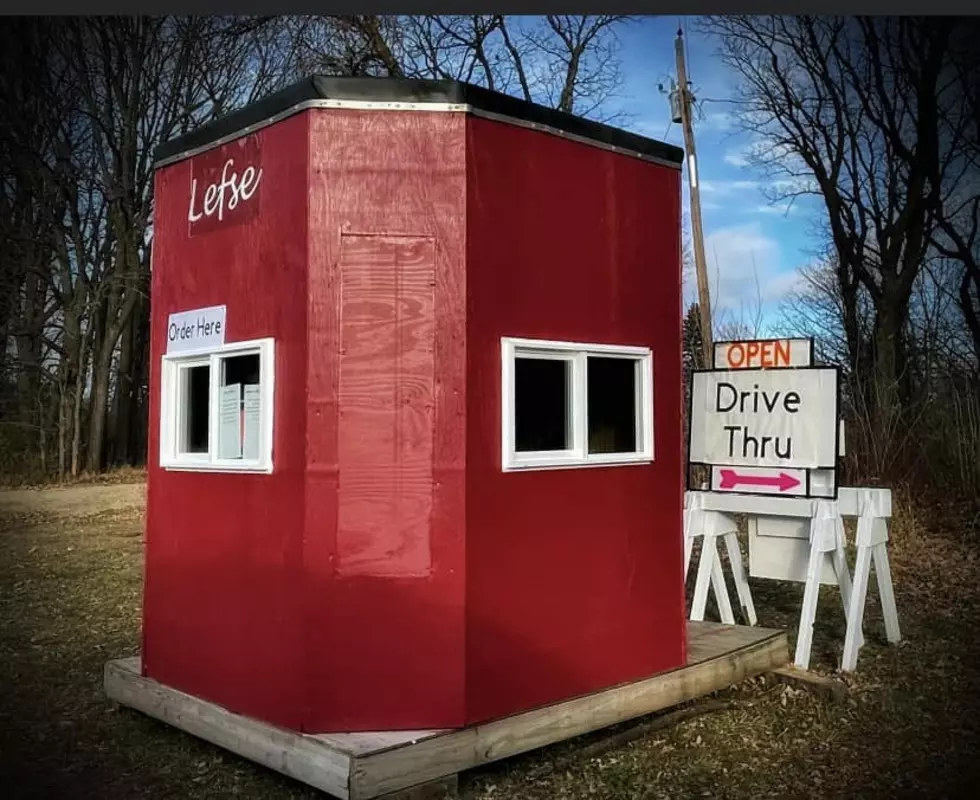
(405, 90)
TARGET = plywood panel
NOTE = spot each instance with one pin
(385, 435)
(384, 641)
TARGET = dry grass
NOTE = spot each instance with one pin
(69, 600)
(22, 480)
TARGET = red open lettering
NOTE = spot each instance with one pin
(782, 353)
(735, 355)
(767, 354)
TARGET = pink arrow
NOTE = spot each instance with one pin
(730, 479)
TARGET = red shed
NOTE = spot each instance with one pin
(416, 443)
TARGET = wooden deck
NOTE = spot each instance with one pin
(359, 766)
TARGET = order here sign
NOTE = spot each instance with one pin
(784, 418)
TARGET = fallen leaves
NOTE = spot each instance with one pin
(70, 597)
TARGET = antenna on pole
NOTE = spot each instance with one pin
(681, 100)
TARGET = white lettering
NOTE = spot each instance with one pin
(247, 187)
(227, 193)
(191, 216)
(210, 196)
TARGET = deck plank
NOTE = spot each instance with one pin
(360, 766)
(293, 754)
(723, 655)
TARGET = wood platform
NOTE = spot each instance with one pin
(359, 766)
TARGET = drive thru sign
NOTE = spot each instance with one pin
(763, 430)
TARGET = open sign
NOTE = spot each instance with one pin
(763, 354)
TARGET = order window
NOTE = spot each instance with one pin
(216, 409)
(567, 404)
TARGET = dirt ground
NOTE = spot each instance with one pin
(80, 501)
(70, 592)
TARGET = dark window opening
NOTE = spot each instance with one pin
(541, 404)
(240, 369)
(196, 409)
(612, 405)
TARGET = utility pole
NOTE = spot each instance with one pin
(684, 99)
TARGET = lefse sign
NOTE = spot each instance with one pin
(224, 186)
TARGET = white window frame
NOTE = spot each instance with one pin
(170, 408)
(577, 354)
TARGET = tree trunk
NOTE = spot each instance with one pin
(28, 341)
(97, 335)
(63, 418)
(122, 312)
(121, 433)
(849, 312)
(141, 362)
(99, 406)
(970, 288)
(76, 422)
(885, 406)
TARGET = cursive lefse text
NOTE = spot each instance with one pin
(227, 193)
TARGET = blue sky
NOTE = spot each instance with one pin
(753, 248)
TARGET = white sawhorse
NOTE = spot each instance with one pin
(710, 526)
(826, 542)
(709, 515)
(872, 544)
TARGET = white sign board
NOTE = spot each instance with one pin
(196, 329)
(763, 354)
(779, 418)
(779, 549)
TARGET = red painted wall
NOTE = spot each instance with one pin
(574, 577)
(385, 527)
(224, 552)
(388, 575)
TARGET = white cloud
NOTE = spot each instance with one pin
(777, 209)
(744, 273)
(736, 157)
(728, 187)
(717, 121)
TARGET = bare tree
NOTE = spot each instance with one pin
(87, 100)
(30, 208)
(139, 81)
(847, 109)
(956, 232)
(568, 62)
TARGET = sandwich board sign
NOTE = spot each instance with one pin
(765, 420)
